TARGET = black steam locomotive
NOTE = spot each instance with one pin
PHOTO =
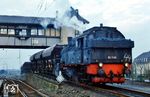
(99, 55)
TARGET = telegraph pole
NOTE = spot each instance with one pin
(19, 57)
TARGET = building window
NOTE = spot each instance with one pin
(33, 31)
(41, 32)
(11, 31)
(53, 32)
(3, 31)
(48, 32)
(58, 32)
(22, 32)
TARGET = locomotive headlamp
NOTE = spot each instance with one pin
(100, 64)
(126, 64)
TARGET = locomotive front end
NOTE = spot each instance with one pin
(109, 56)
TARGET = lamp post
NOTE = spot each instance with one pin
(141, 74)
(135, 71)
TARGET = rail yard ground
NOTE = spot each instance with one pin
(53, 89)
(32, 85)
(140, 86)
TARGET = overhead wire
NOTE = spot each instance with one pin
(42, 6)
(38, 9)
(47, 4)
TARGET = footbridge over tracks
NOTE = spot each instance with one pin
(31, 32)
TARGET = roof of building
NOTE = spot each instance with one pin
(24, 19)
(142, 58)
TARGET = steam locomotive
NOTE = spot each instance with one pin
(99, 55)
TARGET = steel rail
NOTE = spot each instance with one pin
(98, 89)
(19, 92)
(42, 94)
(138, 92)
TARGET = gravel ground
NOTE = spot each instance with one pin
(141, 86)
(70, 91)
(48, 87)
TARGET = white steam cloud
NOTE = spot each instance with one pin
(60, 10)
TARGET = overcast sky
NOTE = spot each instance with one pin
(131, 17)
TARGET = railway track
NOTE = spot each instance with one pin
(122, 92)
(24, 90)
(29, 91)
(129, 92)
(16, 92)
(98, 89)
(112, 91)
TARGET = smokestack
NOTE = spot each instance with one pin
(101, 25)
